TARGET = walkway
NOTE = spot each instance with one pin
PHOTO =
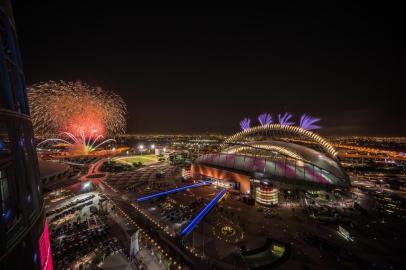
(164, 193)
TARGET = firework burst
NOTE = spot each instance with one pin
(81, 114)
(265, 119)
(284, 119)
(245, 123)
(308, 122)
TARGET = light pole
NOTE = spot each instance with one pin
(141, 147)
(152, 147)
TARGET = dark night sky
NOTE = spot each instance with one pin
(200, 70)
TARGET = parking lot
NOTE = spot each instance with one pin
(142, 178)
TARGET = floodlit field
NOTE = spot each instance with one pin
(144, 159)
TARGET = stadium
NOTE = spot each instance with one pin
(264, 159)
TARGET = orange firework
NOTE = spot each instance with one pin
(84, 114)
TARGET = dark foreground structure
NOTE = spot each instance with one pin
(24, 239)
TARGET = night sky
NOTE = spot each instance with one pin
(203, 70)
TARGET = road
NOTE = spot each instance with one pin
(173, 245)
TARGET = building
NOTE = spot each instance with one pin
(177, 157)
(52, 172)
(266, 194)
(291, 159)
(24, 239)
(287, 165)
(186, 173)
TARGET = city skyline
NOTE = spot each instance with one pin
(192, 71)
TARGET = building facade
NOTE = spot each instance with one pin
(24, 239)
(266, 194)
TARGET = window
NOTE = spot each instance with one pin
(4, 192)
(10, 212)
(11, 209)
(4, 141)
(29, 172)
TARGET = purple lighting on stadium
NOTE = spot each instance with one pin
(265, 119)
(245, 123)
(307, 122)
(257, 163)
(230, 159)
(285, 119)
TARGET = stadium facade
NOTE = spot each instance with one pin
(261, 160)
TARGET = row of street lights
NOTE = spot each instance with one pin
(152, 147)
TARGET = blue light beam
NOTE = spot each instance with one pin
(202, 213)
(148, 197)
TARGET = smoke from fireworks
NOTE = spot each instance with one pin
(83, 114)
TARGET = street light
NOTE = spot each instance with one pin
(86, 185)
(141, 147)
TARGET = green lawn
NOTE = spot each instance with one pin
(144, 159)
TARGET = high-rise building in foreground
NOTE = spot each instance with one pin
(24, 240)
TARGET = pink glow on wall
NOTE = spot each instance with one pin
(45, 249)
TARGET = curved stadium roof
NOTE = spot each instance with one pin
(285, 162)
